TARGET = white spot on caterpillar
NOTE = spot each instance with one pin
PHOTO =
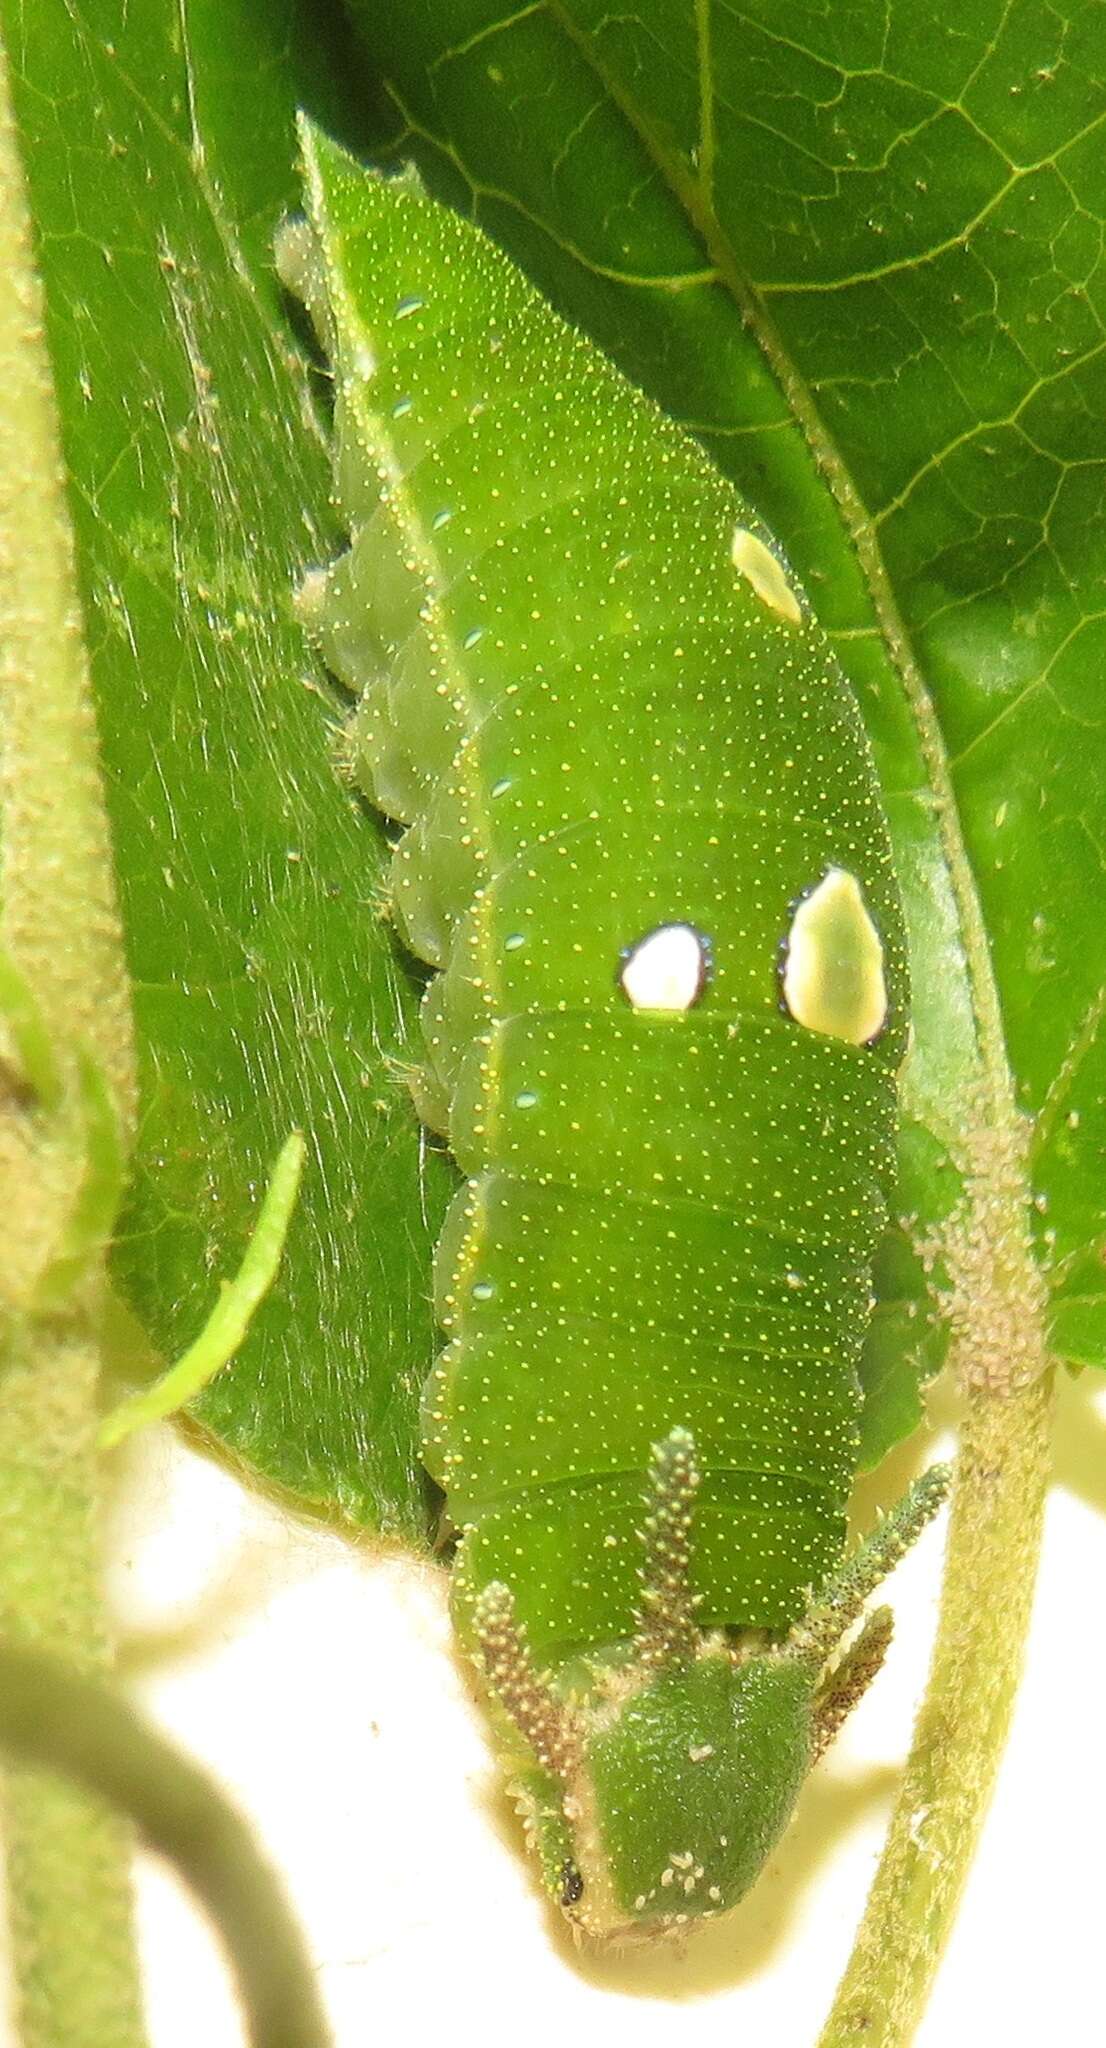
(668, 969)
(405, 307)
(759, 566)
(832, 977)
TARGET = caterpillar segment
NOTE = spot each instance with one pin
(608, 747)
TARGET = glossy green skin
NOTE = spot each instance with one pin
(746, 1735)
(593, 726)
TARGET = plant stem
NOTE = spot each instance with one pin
(60, 921)
(67, 1856)
(51, 1716)
(990, 1569)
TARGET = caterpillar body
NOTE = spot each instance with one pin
(646, 855)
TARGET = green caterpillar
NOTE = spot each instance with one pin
(646, 854)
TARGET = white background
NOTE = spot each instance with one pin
(315, 1678)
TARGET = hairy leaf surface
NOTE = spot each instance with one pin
(267, 992)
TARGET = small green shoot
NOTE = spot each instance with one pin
(233, 1312)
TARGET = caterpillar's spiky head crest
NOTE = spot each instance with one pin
(663, 1784)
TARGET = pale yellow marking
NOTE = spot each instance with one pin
(296, 255)
(309, 596)
(759, 567)
(833, 978)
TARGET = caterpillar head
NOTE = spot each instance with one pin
(684, 1789)
(654, 1791)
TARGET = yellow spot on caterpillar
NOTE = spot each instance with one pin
(309, 596)
(833, 978)
(759, 567)
(296, 254)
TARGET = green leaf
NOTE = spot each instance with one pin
(267, 992)
(830, 254)
(858, 251)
